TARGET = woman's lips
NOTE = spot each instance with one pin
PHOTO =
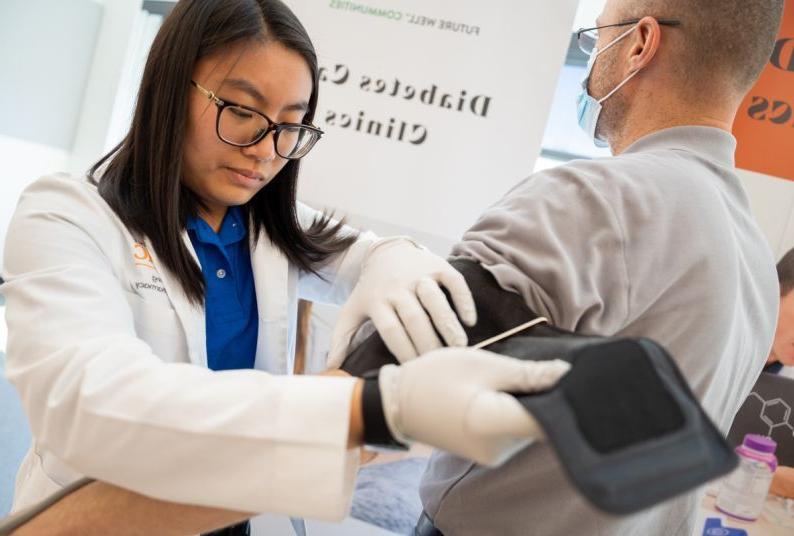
(245, 177)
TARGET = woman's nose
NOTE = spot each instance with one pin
(264, 150)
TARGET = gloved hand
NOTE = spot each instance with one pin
(399, 289)
(455, 399)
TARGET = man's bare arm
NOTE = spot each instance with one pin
(99, 509)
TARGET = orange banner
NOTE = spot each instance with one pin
(765, 123)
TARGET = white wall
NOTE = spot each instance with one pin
(21, 162)
(772, 202)
(588, 12)
(111, 58)
(47, 48)
(78, 93)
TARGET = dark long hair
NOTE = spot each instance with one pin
(141, 177)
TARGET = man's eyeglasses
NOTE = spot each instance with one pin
(588, 37)
(242, 126)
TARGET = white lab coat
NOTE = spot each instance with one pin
(109, 358)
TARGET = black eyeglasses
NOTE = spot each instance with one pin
(588, 37)
(242, 126)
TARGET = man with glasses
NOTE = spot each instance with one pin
(657, 241)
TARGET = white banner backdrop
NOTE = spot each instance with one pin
(432, 109)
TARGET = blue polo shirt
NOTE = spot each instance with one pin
(232, 319)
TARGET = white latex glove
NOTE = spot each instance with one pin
(455, 399)
(400, 290)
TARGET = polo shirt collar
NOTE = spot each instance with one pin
(233, 228)
(716, 144)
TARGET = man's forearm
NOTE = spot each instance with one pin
(101, 509)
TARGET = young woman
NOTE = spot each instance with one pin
(150, 305)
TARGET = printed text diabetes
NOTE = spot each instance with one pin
(393, 128)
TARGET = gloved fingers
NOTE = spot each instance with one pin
(393, 333)
(340, 341)
(437, 306)
(346, 326)
(497, 414)
(417, 323)
(542, 375)
(516, 376)
(461, 295)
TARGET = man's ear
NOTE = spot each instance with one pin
(644, 43)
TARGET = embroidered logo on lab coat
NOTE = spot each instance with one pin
(142, 256)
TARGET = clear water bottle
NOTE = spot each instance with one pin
(744, 491)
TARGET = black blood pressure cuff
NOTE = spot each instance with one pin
(623, 422)
(376, 429)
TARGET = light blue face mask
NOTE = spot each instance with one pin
(588, 107)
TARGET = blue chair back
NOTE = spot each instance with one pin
(14, 438)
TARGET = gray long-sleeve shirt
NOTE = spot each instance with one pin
(657, 242)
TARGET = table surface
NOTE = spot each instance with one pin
(775, 520)
(269, 525)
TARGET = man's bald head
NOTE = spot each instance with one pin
(719, 41)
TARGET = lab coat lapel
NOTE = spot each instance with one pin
(191, 316)
(271, 271)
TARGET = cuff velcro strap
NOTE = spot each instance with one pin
(376, 430)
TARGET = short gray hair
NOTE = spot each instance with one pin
(732, 38)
